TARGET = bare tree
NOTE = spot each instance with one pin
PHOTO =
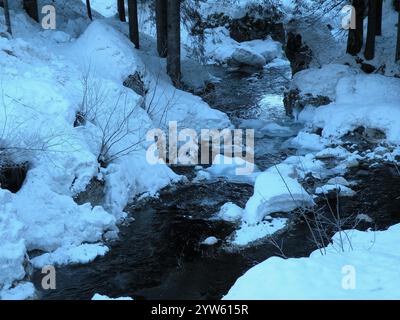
(162, 31)
(133, 22)
(356, 36)
(379, 12)
(371, 33)
(7, 16)
(121, 10)
(174, 41)
(398, 40)
(31, 8)
(89, 9)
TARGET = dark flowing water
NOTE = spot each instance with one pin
(159, 255)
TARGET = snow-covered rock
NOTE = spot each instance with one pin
(276, 190)
(210, 241)
(234, 169)
(230, 212)
(221, 48)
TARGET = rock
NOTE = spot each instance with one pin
(12, 175)
(294, 100)
(338, 180)
(246, 57)
(298, 54)
(135, 82)
(367, 68)
(250, 28)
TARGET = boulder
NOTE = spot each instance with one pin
(242, 56)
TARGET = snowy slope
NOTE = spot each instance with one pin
(42, 89)
(367, 271)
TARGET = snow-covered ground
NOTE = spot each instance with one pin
(47, 78)
(366, 268)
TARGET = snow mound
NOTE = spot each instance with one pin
(233, 169)
(84, 253)
(230, 212)
(103, 297)
(275, 190)
(359, 100)
(369, 271)
(221, 48)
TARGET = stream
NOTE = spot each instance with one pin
(159, 254)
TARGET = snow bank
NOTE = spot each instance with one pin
(275, 190)
(38, 113)
(221, 48)
(369, 271)
(23, 291)
(371, 101)
(72, 254)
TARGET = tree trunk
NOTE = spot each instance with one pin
(379, 9)
(133, 22)
(89, 9)
(356, 36)
(398, 40)
(162, 33)
(121, 10)
(7, 16)
(31, 8)
(174, 41)
(370, 45)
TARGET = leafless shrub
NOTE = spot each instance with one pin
(119, 134)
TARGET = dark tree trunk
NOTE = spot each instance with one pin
(162, 27)
(31, 8)
(7, 16)
(174, 41)
(379, 9)
(371, 33)
(89, 9)
(356, 36)
(398, 40)
(133, 22)
(121, 10)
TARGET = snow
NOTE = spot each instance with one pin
(230, 212)
(275, 190)
(373, 262)
(339, 189)
(84, 253)
(248, 233)
(308, 141)
(104, 297)
(23, 291)
(236, 169)
(210, 241)
(38, 114)
(221, 48)
(371, 101)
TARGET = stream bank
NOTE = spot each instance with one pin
(159, 254)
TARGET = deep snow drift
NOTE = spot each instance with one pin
(367, 270)
(48, 77)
